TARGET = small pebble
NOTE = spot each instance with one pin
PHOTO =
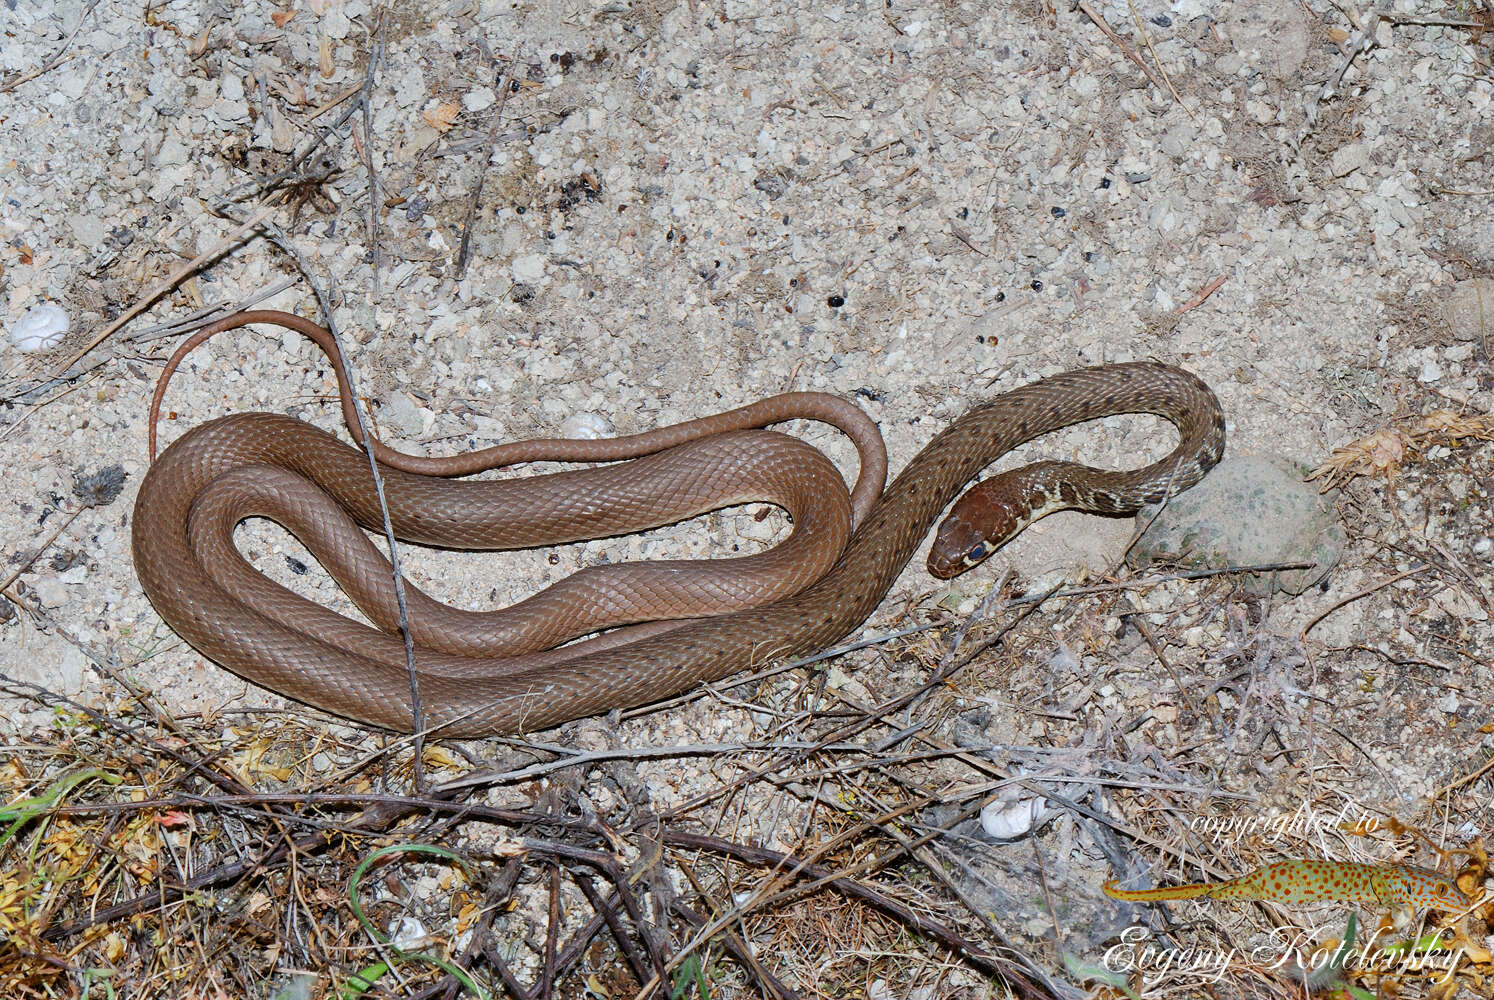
(529, 268)
(50, 591)
(41, 329)
(585, 427)
(409, 934)
(1010, 820)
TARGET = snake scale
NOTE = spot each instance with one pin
(260, 464)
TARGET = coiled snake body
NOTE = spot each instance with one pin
(258, 464)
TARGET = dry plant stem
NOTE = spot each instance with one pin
(918, 849)
(35, 408)
(366, 101)
(383, 811)
(854, 890)
(178, 276)
(879, 713)
(262, 184)
(745, 680)
(109, 668)
(769, 894)
(1362, 42)
(55, 60)
(1138, 584)
(1359, 595)
(1136, 618)
(1109, 32)
(1465, 780)
(606, 912)
(71, 379)
(360, 415)
(375, 819)
(1202, 295)
(30, 560)
(981, 613)
(1161, 70)
(236, 793)
(208, 314)
(464, 255)
(732, 941)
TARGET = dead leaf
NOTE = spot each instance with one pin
(440, 116)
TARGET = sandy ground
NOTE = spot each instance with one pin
(689, 206)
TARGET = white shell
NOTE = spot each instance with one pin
(586, 427)
(1010, 818)
(41, 329)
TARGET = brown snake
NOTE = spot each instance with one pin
(260, 464)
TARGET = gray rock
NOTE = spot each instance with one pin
(1251, 510)
(403, 413)
(1347, 159)
(300, 986)
(50, 591)
(1270, 34)
(61, 669)
(1469, 308)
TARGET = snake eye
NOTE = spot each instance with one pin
(977, 552)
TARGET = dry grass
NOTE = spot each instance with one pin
(160, 857)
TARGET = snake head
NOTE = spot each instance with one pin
(980, 522)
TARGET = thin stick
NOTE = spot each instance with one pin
(1466, 779)
(1198, 300)
(1141, 28)
(360, 414)
(27, 562)
(56, 59)
(373, 179)
(856, 890)
(210, 313)
(1152, 581)
(1099, 21)
(465, 253)
(32, 410)
(1363, 593)
(179, 275)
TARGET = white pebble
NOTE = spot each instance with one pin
(528, 268)
(50, 591)
(1005, 819)
(408, 934)
(1431, 371)
(41, 329)
(585, 427)
(479, 100)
